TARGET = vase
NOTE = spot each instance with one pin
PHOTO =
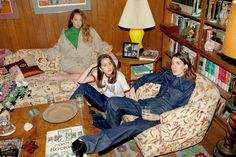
(6, 127)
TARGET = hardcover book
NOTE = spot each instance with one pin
(150, 55)
(141, 70)
(11, 147)
(58, 142)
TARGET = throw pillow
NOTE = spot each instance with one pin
(31, 71)
(24, 68)
(16, 73)
(20, 63)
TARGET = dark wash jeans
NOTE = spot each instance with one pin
(95, 98)
(116, 107)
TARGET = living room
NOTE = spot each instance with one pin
(31, 30)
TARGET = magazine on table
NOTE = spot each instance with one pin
(150, 55)
(11, 147)
(58, 142)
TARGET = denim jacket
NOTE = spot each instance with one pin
(174, 91)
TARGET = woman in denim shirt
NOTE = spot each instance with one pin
(177, 86)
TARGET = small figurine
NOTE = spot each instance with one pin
(210, 44)
(224, 15)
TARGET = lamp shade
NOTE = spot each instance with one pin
(229, 48)
(137, 15)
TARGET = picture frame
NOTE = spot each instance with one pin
(130, 50)
(57, 6)
(8, 9)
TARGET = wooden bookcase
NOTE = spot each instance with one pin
(169, 32)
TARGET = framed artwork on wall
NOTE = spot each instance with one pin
(57, 6)
(130, 50)
(8, 9)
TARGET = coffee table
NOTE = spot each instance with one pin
(38, 133)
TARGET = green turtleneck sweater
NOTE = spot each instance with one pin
(72, 34)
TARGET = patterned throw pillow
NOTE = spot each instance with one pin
(24, 68)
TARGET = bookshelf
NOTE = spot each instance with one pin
(170, 31)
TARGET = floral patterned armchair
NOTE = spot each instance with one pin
(182, 127)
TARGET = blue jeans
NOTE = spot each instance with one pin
(95, 98)
(116, 107)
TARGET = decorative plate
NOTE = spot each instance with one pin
(60, 112)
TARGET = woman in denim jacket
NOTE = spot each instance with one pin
(177, 86)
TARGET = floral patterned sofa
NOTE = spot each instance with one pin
(40, 88)
(182, 127)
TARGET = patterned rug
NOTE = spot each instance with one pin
(194, 151)
(130, 149)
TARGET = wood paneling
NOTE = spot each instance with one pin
(43, 30)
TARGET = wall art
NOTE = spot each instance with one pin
(8, 9)
(57, 6)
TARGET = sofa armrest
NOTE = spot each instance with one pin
(183, 123)
(35, 57)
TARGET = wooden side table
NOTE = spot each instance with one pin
(126, 63)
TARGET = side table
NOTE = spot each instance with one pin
(126, 63)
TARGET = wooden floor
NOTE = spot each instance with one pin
(214, 134)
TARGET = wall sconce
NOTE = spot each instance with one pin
(137, 16)
(229, 48)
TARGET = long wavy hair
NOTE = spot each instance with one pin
(85, 28)
(100, 74)
(189, 73)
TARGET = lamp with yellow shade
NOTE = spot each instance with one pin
(136, 17)
(229, 47)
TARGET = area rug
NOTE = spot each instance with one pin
(128, 149)
(194, 151)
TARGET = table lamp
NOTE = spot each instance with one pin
(137, 16)
(229, 48)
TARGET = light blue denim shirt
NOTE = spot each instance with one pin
(174, 91)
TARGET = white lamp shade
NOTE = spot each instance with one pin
(229, 48)
(137, 15)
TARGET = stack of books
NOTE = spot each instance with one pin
(149, 55)
(141, 70)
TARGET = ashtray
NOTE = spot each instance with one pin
(60, 112)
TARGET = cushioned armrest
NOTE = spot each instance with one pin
(183, 123)
(37, 57)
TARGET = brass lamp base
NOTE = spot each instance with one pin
(221, 151)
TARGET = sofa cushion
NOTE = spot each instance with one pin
(31, 71)
(24, 68)
(20, 63)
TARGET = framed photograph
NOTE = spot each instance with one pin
(130, 50)
(57, 6)
(8, 9)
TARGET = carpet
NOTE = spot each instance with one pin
(130, 149)
(194, 151)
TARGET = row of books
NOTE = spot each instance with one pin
(221, 109)
(215, 73)
(192, 7)
(187, 27)
(210, 9)
(140, 70)
(175, 47)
